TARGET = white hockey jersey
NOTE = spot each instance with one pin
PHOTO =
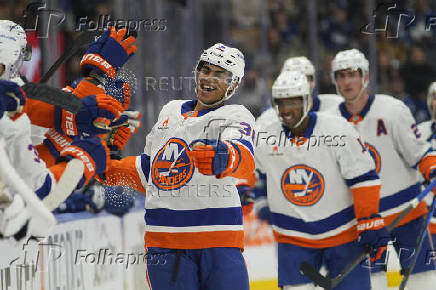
(321, 103)
(316, 189)
(184, 208)
(397, 147)
(24, 157)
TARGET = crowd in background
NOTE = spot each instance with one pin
(269, 31)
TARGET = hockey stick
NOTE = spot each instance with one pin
(418, 246)
(84, 39)
(66, 184)
(53, 96)
(325, 282)
(11, 179)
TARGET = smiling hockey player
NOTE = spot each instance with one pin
(398, 149)
(191, 159)
(323, 198)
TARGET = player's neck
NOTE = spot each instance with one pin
(299, 131)
(200, 107)
(355, 107)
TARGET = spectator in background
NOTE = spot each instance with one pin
(417, 75)
(336, 30)
(253, 93)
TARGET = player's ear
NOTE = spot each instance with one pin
(233, 87)
(366, 77)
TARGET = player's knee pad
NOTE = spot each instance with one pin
(422, 281)
(299, 287)
(379, 281)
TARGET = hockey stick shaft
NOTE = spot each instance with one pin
(84, 39)
(53, 96)
(66, 184)
(418, 246)
(309, 271)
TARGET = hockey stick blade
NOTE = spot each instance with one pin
(53, 96)
(350, 266)
(310, 272)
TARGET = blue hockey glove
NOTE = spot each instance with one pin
(108, 53)
(12, 98)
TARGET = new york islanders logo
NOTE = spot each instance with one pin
(375, 155)
(302, 185)
(172, 168)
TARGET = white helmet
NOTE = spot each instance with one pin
(14, 30)
(350, 59)
(229, 58)
(290, 84)
(300, 63)
(431, 95)
(10, 57)
(13, 49)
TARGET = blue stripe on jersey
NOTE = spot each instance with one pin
(145, 165)
(45, 188)
(314, 228)
(316, 103)
(338, 219)
(196, 217)
(400, 197)
(246, 143)
(370, 175)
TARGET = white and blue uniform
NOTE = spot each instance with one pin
(315, 191)
(398, 149)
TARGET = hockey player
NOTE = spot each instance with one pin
(322, 188)
(104, 57)
(398, 150)
(320, 103)
(44, 182)
(16, 132)
(105, 97)
(428, 132)
(191, 158)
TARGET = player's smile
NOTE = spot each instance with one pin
(290, 110)
(212, 83)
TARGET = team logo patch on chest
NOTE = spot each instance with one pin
(172, 168)
(302, 185)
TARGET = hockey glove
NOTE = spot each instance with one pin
(93, 118)
(214, 157)
(91, 200)
(93, 152)
(373, 233)
(122, 129)
(12, 98)
(108, 53)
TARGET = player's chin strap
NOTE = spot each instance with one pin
(227, 96)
